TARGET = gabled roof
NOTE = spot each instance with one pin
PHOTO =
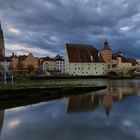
(79, 53)
(58, 58)
(22, 57)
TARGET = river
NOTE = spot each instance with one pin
(110, 114)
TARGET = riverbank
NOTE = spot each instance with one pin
(65, 77)
(50, 92)
(12, 98)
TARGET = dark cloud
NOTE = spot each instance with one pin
(49, 24)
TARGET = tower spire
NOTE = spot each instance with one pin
(106, 42)
(0, 25)
(2, 45)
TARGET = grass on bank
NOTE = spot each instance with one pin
(39, 85)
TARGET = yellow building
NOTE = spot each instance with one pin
(122, 62)
(24, 64)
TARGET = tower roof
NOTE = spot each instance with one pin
(106, 42)
(106, 46)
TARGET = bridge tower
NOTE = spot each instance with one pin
(106, 54)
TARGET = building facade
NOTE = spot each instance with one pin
(48, 66)
(106, 54)
(24, 64)
(60, 64)
(114, 60)
(5, 66)
(83, 60)
(52, 66)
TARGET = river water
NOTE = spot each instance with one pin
(110, 114)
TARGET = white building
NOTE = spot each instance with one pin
(60, 64)
(52, 66)
(83, 60)
(5, 65)
(48, 65)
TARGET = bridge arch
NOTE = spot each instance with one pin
(130, 72)
(112, 74)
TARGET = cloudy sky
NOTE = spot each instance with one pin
(43, 27)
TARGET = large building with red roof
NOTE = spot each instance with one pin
(83, 60)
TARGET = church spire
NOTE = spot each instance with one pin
(2, 45)
(106, 42)
(0, 24)
(0, 27)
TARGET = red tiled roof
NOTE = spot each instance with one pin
(2, 59)
(79, 53)
(22, 57)
(133, 61)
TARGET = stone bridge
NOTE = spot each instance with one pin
(122, 72)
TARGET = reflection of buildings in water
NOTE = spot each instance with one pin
(82, 103)
(107, 103)
(1, 120)
(92, 101)
(115, 94)
(119, 93)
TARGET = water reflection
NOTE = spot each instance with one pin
(86, 118)
(1, 120)
(104, 99)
